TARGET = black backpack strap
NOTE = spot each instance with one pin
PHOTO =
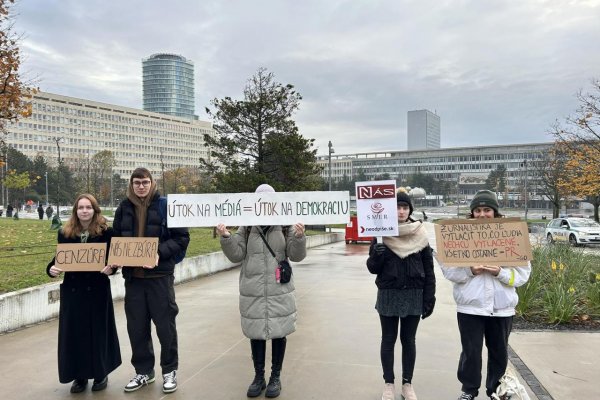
(266, 243)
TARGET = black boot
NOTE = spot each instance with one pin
(274, 386)
(259, 348)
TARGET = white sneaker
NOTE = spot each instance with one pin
(389, 392)
(170, 382)
(408, 392)
(138, 381)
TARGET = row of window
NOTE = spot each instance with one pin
(56, 111)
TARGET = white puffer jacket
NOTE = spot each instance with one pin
(485, 294)
(267, 308)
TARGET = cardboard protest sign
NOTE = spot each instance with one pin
(133, 251)
(376, 209)
(80, 256)
(498, 241)
(247, 209)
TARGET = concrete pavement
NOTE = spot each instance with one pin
(333, 353)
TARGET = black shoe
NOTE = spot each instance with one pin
(79, 385)
(274, 387)
(257, 386)
(100, 385)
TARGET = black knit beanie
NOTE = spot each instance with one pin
(402, 198)
(485, 198)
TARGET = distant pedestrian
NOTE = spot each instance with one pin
(424, 215)
(88, 345)
(9, 211)
(485, 298)
(40, 211)
(406, 293)
(49, 211)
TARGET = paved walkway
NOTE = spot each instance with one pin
(333, 354)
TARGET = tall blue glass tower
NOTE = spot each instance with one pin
(168, 81)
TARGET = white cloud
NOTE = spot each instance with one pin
(495, 71)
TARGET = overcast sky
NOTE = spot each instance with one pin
(496, 72)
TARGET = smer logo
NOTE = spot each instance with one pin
(377, 208)
(376, 192)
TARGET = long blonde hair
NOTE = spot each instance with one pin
(73, 227)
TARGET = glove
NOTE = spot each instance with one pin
(428, 308)
(379, 249)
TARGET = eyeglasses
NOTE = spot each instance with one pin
(141, 183)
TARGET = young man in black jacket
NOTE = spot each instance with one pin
(149, 291)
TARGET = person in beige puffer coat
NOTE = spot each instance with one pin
(267, 307)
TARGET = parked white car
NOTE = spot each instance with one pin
(573, 230)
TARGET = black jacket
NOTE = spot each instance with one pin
(88, 345)
(125, 224)
(412, 272)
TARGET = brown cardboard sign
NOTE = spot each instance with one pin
(80, 256)
(497, 241)
(133, 251)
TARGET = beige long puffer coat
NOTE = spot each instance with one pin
(267, 308)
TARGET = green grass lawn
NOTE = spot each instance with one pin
(26, 247)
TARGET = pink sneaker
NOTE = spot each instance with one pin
(389, 392)
(408, 392)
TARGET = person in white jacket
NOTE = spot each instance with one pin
(485, 298)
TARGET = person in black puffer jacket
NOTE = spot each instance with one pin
(149, 291)
(406, 292)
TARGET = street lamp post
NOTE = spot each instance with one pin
(526, 194)
(46, 175)
(330, 152)
(57, 140)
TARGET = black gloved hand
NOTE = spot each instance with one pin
(428, 308)
(379, 249)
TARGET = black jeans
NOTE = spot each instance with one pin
(389, 333)
(146, 300)
(473, 329)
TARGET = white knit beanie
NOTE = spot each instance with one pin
(265, 188)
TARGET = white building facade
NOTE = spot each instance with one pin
(422, 130)
(455, 165)
(83, 128)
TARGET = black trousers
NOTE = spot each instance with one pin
(389, 333)
(473, 329)
(151, 299)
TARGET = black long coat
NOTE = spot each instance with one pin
(88, 345)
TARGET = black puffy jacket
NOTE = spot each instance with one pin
(414, 271)
(125, 224)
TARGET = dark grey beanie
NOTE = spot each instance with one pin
(485, 198)
(403, 198)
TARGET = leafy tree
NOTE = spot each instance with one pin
(496, 180)
(584, 126)
(360, 176)
(14, 94)
(582, 177)
(291, 162)
(101, 167)
(426, 182)
(550, 172)
(253, 136)
(39, 167)
(18, 181)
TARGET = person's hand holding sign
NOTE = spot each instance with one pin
(222, 231)
(152, 266)
(480, 269)
(55, 271)
(299, 229)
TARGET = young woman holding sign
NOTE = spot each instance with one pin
(485, 298)
(267, 302)
(406, 293)
(88, 346)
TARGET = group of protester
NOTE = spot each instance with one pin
(88, 345)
